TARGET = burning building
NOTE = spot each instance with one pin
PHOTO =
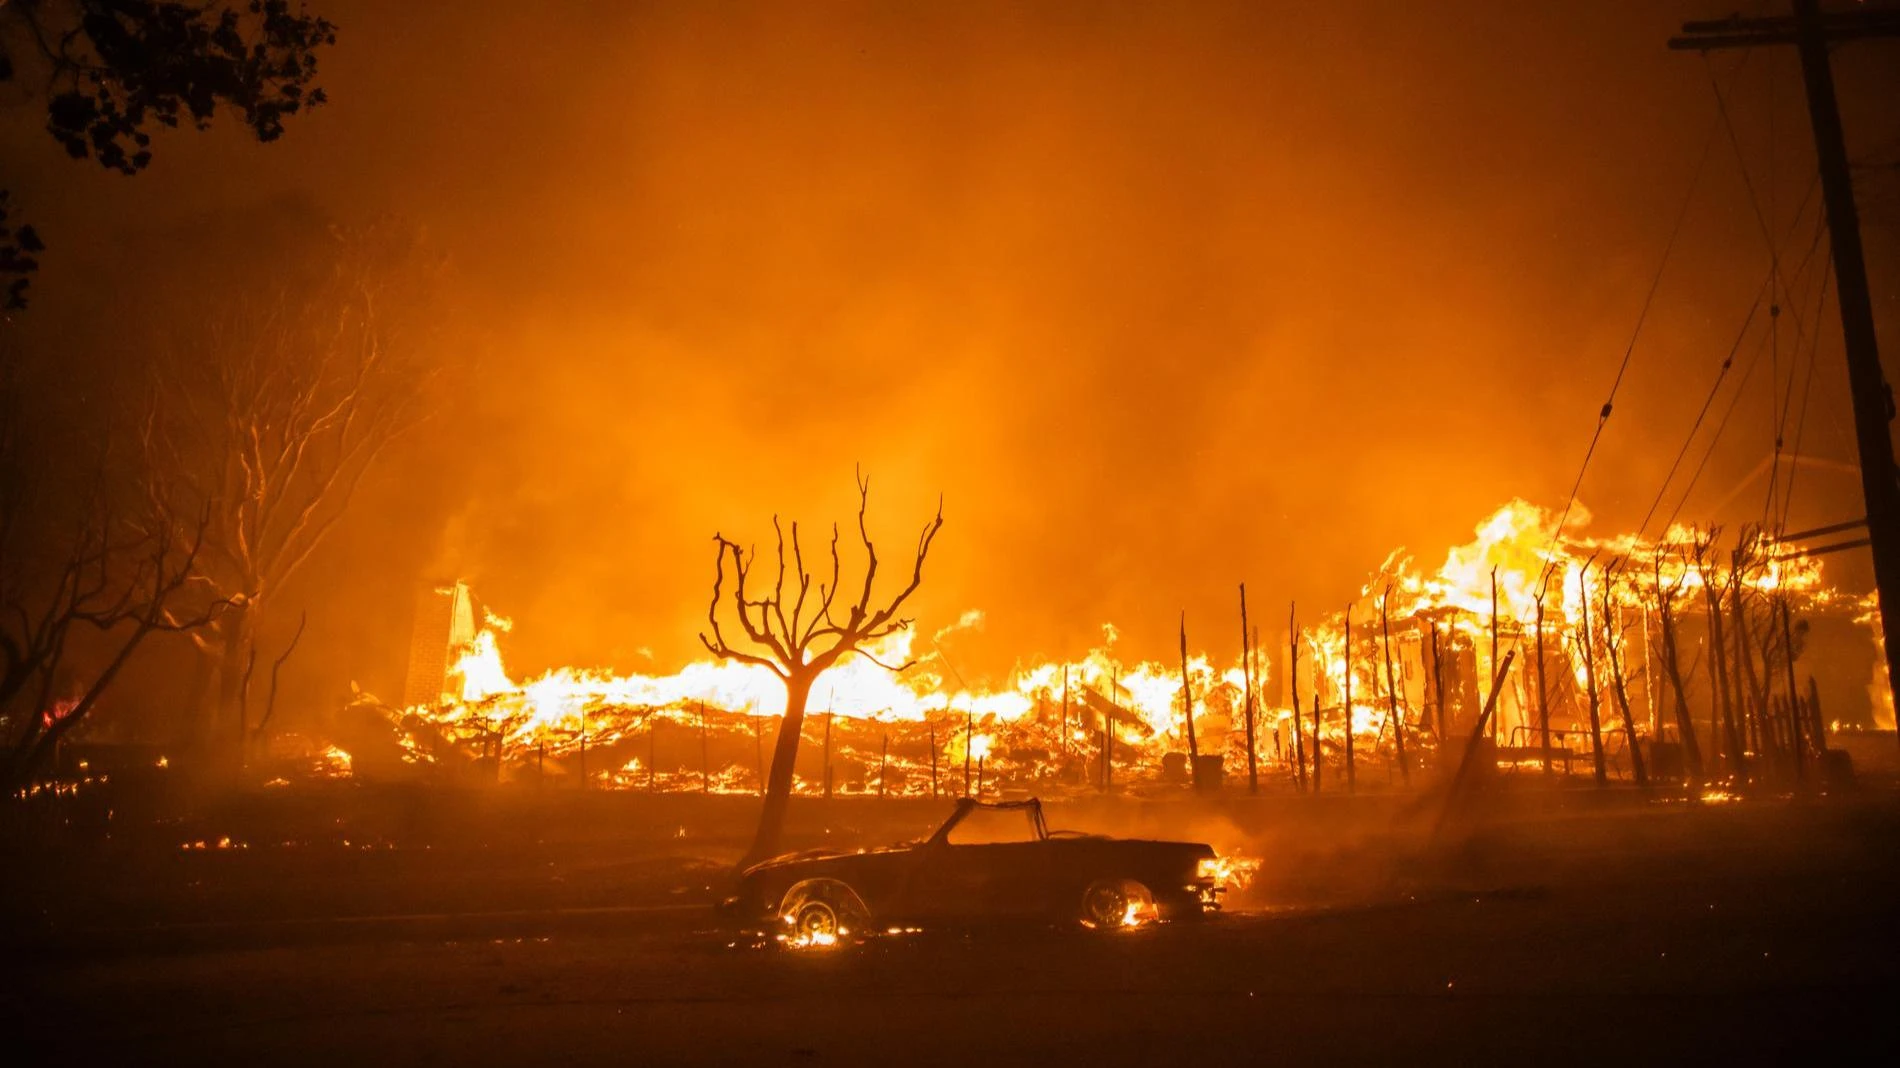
(1666, 657)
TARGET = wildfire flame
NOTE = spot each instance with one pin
(1441, 623)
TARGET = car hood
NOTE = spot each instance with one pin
(786, 860)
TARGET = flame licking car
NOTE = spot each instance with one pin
(987, 861)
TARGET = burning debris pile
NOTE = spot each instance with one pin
(1631, 658)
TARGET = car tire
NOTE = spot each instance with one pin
(823, 912)
(1114, 903)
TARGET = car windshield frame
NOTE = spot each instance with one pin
(1032, 809)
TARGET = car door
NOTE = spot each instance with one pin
(984, 868)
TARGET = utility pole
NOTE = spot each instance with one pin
(1811, 32)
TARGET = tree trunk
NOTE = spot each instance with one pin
(1745, 667)
(1794, 695)
(1590, 682)
(225, 728)
(1685, 724)
(778, 789)
(1621, 693)
(1392, 693)
(1730, 739)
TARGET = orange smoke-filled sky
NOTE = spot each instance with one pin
(1158, 297)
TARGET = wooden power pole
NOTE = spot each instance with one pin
(1811, 32)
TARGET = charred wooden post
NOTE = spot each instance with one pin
(1352, 782)
(1392, 691)
(1543, 692)
(1815, 723)
(1621, 691)
(1293, 685)
(1590, 678)
(1319, 673)
(1247, 705)
(1187, 711)
(1461, 776)
(1494, 642)
(1438, 684)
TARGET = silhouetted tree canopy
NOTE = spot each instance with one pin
(112, 69)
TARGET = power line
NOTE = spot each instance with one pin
(1786, 396)
(1747, 372)
(1642, 316)
(1728, 362)
(1740, 387)
(1807, 388)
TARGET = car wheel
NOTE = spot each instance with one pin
(823, 912)
(1111, 903)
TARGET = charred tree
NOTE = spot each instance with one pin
(1723, 730)
(1187, 711)
(1794, 691)
(1744, 655)
(128, 585)
(1293, 688)
(798, 630)
(1392, 692)
(277, 665)
(1611, 646)
(267, 411)
(1584, 647)
(1672, 667)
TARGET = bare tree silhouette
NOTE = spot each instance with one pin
(267, 416)
(795, 631)
(127, 582)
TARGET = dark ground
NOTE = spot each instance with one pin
(483, 929)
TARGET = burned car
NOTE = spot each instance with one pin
(989, 861)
